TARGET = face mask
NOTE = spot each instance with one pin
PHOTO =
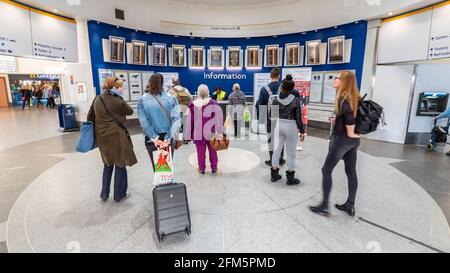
(117, 91)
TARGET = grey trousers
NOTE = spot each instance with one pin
(286, 133)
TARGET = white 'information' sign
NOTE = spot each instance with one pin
(440, 33)
(15, 31)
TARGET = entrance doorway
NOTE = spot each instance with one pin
(3, 93)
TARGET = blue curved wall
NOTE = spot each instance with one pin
(193, 78)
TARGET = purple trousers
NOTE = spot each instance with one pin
(201, 155)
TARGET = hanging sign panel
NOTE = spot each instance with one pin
(15, 31)
(440, 33)
(54, 38)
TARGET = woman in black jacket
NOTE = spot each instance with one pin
(344, 143)
(287, 128)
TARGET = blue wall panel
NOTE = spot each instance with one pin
(193, 78)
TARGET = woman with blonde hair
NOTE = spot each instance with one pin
(344, 143)
(206, 120)
(108, 112)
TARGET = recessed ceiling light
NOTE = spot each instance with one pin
(357, 22)
(203, 38)
(316, 30)
(117, 27)
(336, 27)
(391, 13)
(55, 10)
(303, 33)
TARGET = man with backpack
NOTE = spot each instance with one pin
(263, 104)
(183, 97)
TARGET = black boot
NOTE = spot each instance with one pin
(291, 180)
(282, 162)
(276, 175)
(348, 208)
(321, 209)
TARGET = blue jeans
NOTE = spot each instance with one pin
(120, 182)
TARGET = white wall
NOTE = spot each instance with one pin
(80, 72)
(393, 85)
(370, 57)
(430, 78)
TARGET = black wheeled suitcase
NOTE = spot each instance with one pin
(171, 210)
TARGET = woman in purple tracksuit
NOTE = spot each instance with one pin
(206, 120)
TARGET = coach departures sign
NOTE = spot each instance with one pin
(26, 32)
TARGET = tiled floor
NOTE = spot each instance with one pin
(27, 151)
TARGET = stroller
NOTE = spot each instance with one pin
(439, 133)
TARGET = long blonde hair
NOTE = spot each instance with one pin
(348, 91)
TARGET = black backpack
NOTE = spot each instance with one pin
(370, 115)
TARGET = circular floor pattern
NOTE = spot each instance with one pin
(231, 212)
(231, 161)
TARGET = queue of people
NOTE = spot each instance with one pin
(160, 116)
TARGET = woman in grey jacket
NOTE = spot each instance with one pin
(237, 104)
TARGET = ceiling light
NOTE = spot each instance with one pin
(336, 27)
(55, 11)
(391, 13)
(357, 22)
(303, 33)
(117, 27)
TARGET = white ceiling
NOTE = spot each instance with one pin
(255, 17)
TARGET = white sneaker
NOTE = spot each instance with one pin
(299, 148)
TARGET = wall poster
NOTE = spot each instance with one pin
(178, 55)
(253, 57)
(234, 57)
(329, 92)
(82, 95)
(313, 52)
(117, 49)
(139, 53)
(136, 90)
(273, 56)
(302, 78)
(336, 50)
(216, 57)
(159, 54)
(292, 54)
(197, 57)
(317, 87)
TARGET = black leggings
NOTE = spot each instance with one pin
(347, 149)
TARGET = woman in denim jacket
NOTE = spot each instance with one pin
(159, 116)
